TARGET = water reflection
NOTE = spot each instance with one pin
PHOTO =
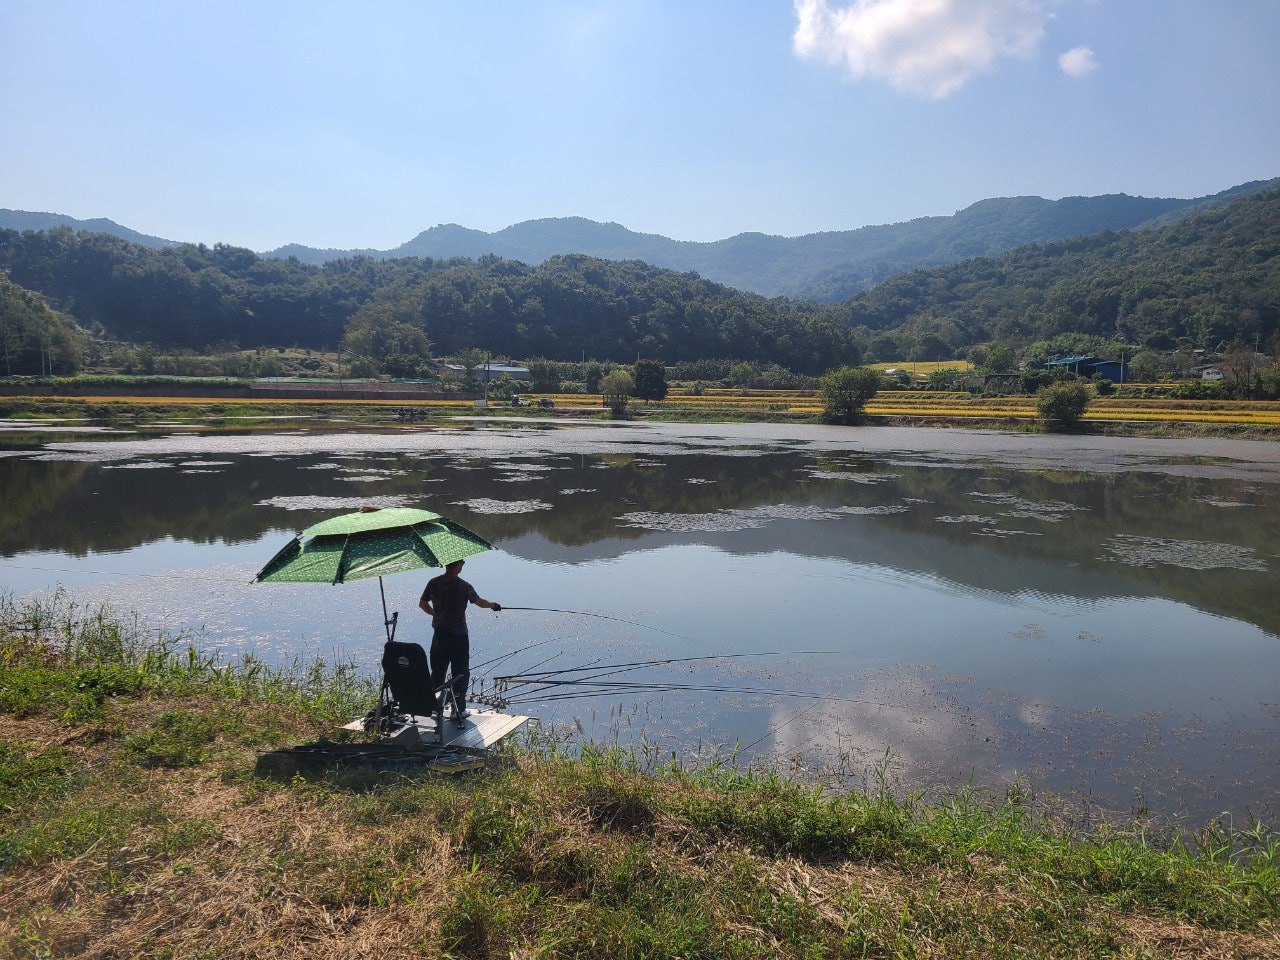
(1105, 630)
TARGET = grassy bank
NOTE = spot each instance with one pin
(132, 824)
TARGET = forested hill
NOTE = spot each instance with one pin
(197, 296)
(27, 220)
(1213, 277)
(827, 267)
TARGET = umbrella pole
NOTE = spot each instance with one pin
(388, 623)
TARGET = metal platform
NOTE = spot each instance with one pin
(481, 730)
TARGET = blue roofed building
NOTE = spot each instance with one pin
(1116, 371)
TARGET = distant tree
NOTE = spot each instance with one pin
(1000, 359)
(387, 335)
(34, 338)
(845, 391)
(743, 374)
(544, 375)
(886, 348)
(1060, 406)
(473, 360)
(593, 371)
(650, 380)
(615, 390)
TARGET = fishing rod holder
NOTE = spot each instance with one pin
(494, 696)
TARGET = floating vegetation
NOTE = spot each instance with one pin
(333, 503)
(512, 467)
(1189, 554)
(487, 505)
(820, 474)
(1221, 502)
(965, 518)
(730, 521)
(207, 463)
(1050, 511)
(570, 491)
(142, 465)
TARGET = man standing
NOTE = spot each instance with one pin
(445, 600)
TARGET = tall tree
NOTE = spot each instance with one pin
(649, 378)
(845, 391)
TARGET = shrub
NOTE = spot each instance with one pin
(845, 391)
(615, 391)
(1061, 405)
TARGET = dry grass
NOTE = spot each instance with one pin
(539, 856)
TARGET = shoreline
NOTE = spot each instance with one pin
(137, 823)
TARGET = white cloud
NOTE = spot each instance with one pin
(1078, 62)
(927, 48)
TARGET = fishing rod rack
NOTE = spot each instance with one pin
(492, 695)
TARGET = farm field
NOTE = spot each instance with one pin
(711, 404)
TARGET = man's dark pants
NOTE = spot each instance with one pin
(451, 650)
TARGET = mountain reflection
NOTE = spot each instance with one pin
(984, 528)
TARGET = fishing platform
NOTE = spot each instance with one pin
(479, 730)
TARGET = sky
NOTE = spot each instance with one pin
(358, 125)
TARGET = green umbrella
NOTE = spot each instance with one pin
(372, 543)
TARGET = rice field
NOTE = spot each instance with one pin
(746, 403)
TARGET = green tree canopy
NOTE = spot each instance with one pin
(1060, 406)
(35, 339)
(650, 380)
(845, 391)
(615, 390)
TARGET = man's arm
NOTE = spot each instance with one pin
(425, 605)
(480, 601)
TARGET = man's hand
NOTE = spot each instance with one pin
(496, 608)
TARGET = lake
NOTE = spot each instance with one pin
(1097, 617)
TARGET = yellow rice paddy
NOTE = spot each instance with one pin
(740, 403)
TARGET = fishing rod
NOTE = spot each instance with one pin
(612, 668)
(602, 616)
(612, 689)
(591, 684)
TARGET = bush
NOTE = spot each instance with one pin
(615, 391)
(1061, 405)
(845, 391)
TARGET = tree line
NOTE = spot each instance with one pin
(1209, 281)
(196, 297)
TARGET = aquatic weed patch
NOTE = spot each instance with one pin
(1188, 554)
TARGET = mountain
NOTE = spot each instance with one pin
(395, 312)
(1208, 279)
(827, 267)
(26, 220)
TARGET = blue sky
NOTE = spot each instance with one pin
(361, 124)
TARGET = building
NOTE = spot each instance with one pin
(1116, 371)
(489, 371)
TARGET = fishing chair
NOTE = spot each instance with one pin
(407, 692)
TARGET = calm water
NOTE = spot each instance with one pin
(1098, 615)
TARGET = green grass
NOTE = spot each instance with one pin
(132, 823)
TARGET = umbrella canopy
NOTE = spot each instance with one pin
(371, 543)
